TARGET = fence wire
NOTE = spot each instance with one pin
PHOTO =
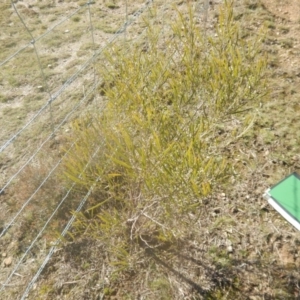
(64, 232)
(38, 59)
(48, 221)
(6, 228)
(54, 96)
(72, 78)
(31, 158)
(57, 94)
(68, 17)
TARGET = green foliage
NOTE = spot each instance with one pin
(76, 19)
(160, 149)
(220, 257)
(111, 4)
(162, 286)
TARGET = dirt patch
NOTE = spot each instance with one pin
(286, 9)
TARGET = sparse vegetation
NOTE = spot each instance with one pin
(160, 150)
(188, 142)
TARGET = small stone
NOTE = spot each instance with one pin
(229, 249)
(40, 88)
(4, 254)
(223, 195)
(49, 66)
(66, 31)
(7, 261)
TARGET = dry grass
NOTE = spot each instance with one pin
(23, 93)
(238, 248)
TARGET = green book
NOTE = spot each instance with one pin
(285, 198)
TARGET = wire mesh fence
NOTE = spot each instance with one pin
(48, 74)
